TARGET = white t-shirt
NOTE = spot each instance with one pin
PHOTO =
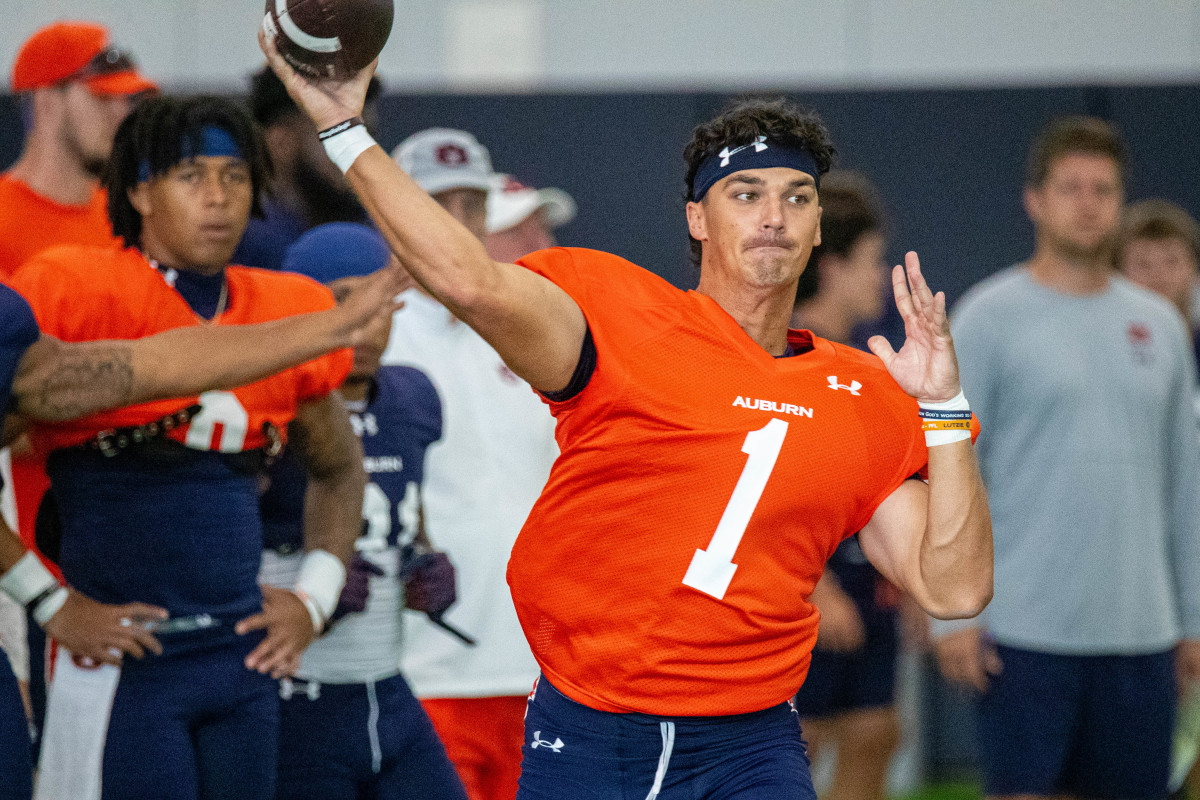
(481, 480)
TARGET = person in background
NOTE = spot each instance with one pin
(1084, 384)
(349, 724)
(667, 668)
(522, 220)
(306, 188)
(173, 486)
(481, 480)
(1159, 248)
(75, 87)
(47, 379)
(847, 701)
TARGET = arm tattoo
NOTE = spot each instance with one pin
(82, 380)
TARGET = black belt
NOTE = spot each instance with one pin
(113, 442)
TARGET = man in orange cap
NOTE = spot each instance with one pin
(76, 89)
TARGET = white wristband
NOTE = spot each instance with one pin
(43, 611)
(930, 414)
(319, 585)
(345, 146)
(27, 581)
(956, 403)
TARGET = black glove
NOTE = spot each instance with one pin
(353, 599)
(429, 584)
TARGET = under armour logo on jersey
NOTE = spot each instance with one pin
(557, 745)
(758, 144)
(853, 387)
(364, 425)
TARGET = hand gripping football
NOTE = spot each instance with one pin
(328, 38)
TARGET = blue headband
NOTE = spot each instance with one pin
(214, 141)
(759, 154)
(337, 250)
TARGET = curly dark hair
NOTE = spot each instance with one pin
(745, 119)
(155, 134)
(850, 209)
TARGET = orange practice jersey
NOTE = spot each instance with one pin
(83, 294)
(702, 486)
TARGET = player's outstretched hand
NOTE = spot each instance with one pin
(289, 630)
(925, 367)
(369, 299)
(967, 659)
(326, 101)
(96, 633)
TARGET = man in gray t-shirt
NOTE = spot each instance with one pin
(1083, 384)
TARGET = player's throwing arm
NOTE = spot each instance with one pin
(535, 326)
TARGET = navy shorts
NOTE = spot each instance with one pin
(197, 724)
(16, 765)
(1090, 726)
(572, 751)
(345, 741)
(866, 678)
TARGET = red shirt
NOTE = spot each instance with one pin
(30, 223)
(702, 486)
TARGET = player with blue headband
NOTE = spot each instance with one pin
(348, 691)
(158, 502)
(711, 460)
(761, 153)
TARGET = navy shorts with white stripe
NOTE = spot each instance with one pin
(579, 752)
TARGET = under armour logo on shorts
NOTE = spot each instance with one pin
(557, 745)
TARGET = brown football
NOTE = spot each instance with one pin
(328, 38)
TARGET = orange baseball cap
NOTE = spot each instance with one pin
(76, 51)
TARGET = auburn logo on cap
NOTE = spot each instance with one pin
(451, 155)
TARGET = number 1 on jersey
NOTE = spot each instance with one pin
(711, 570)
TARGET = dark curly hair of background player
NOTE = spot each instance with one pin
(155, 135)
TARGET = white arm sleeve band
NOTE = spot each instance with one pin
(956, 403)
(348, 145)
(27, 581)
(319, 584)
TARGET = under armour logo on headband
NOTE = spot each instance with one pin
(776, 154)
(758, 144)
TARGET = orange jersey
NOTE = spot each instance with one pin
(30, 223)
(702, 486)
(87, 293)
